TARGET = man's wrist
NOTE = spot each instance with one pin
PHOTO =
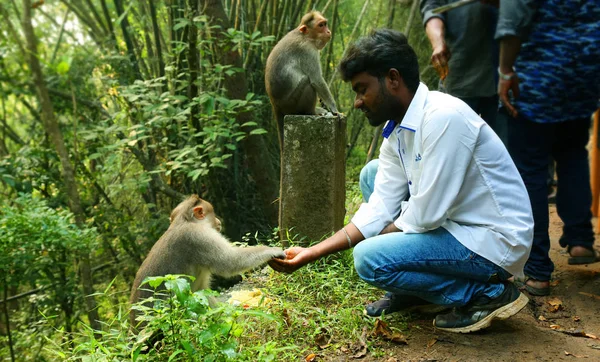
(508, 75)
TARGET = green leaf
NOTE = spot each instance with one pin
(258, 131)
(179, 351)
(63, 68)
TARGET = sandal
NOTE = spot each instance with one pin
(537, 291)
(584, 259)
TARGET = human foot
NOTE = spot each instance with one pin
(533, 286)
(582, 255)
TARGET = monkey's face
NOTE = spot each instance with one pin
(208, 215)
(320, 32)
(217, 224)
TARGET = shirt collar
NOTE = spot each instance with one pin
(414, 114)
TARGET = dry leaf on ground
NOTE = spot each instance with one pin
(575, 355)
(432, 342)
(323, 339)
(555, 305)
(361, 349)
(382, 330)
(311, 357)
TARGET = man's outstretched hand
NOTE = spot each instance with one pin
(296, 257)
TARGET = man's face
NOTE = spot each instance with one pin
(373, 98)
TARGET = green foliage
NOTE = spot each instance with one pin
(35, 241)
(129, 134)
(190, 330)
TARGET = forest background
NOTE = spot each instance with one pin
(111, 111)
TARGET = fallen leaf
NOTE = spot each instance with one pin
(576, 318)
(575, 355)
(555, 282)
(382, 330)
(574, 333)
(323, 338)
(391, 359)
(555, 305)
(362, 345)
(432, 342)
(311, 357)
(542, 318)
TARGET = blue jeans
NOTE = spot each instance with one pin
(531, 146)
(433, 266)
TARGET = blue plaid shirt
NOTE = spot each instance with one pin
(559, 62)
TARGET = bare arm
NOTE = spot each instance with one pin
(509, 49)
(297, 257)
(440, 56)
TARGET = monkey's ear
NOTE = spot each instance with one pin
(303, 29)
(198, 212)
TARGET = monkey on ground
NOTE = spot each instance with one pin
(293, 75)
(193, 245)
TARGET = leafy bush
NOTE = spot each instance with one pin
(37, 245)
(190, 330)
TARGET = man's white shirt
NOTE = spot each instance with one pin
(458, 175)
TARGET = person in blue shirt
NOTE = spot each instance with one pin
(549, 86)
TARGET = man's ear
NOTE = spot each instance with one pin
(394, 77)
(198, 212)
(303, 29)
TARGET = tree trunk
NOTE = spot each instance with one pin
(265, 176)
(68, 174)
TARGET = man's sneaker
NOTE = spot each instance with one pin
(480, 313)
(391, 303)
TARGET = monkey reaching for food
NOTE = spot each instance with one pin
(293, 75)
(193, 245)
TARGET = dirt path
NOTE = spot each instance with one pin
(528, 336)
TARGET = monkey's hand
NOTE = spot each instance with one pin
(295, 258)
(327, 109)
(278, 253)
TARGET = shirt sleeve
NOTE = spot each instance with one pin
(515, 18)
(427, 7)
(391, 188)
(447, 143)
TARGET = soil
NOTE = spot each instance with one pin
(564, 326)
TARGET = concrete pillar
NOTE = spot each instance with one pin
(313, 177)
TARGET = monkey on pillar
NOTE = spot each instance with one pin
(293, 75)
(193, 245)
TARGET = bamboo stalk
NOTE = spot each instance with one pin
(360, 16)
(263, 8)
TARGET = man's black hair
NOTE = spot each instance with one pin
(379, 52)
